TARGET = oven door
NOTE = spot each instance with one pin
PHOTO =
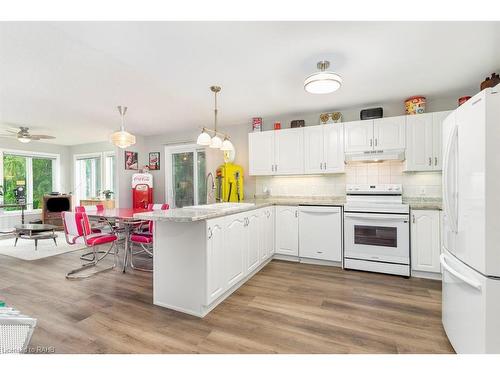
(377, 237)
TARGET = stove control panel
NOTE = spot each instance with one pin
(381, 189)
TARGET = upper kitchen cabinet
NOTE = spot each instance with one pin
(289, 151)
(375, 135)
(389, 133)
(324, 149)
(261, 153)
(424, 150)
(279, 152)
(358, 136)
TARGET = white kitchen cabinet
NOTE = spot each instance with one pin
(267, 230)
(333, 150)
(279, 152)
(324, 149)
(289, 151)
(425, 240)
(287, 230)
(254, 239)
(216, 278)
(261, 153)
(358, 136)
(314, 156)
(320, 233)
(389, 133)
(235, 248)
(424, 149)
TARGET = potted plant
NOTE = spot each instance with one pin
(107, 194)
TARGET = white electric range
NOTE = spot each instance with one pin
(376, 229)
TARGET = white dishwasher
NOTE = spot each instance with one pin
(320, 232)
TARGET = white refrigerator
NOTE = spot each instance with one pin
(470, 257)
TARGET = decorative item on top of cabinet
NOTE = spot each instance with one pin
(297, 124)
(415, 105)
(425, 243)
(371, 113)
(330, 118)
(257, 124)
(490, 81)
(463, 99)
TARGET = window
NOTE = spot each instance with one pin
(94, 173)
(185, 176)
(37, 172)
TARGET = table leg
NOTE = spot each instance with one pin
(17, 237)
(36, 244)
(125, 257)
(54, 234)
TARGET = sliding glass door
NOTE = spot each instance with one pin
(185, 177)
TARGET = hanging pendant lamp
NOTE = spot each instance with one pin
(122, 138)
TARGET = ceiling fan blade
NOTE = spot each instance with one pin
(41, 136)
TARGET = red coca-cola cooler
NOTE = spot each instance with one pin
(142, 190)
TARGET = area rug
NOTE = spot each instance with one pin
(25, 249)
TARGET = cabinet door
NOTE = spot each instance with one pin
(437, 139)
(313, 149)
(358, 136)
(287, 230)
(419, 154)
(320, 233)
(389, 133)
(267, 231)
(216, 281)
(289, 151)
(425, 240)
(261, 153)
(254, 239)
(235, 248)
(333, 136)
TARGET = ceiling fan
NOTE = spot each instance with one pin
(23, 135)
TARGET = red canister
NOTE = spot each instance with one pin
(277, 125)
(415, 105)
(462, 100)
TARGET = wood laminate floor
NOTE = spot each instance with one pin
(285, 308)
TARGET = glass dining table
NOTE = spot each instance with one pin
(124, 217)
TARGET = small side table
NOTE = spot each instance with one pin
(35, 232)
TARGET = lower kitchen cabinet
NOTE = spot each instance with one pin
(320, 233)
(254, 239)
(425, 240)
(287, 230)
(267, 231)
(235, 248)
(216, 276)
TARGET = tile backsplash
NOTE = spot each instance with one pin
(415, 184)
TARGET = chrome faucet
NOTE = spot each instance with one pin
(211, 189)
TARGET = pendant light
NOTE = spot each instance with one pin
(122, 138)
(204, 139)
(323, 82)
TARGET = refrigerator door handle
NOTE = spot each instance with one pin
(446, 167)
(473, 283)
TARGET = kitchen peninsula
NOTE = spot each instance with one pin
(202, 254)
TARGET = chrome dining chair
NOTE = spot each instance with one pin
(77, 230)
(144, 238)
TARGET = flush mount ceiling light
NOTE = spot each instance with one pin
(204, 139)
(122, 138)
(323, 82)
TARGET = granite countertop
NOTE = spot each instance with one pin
(187, 214)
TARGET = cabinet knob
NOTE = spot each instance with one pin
(210, 234)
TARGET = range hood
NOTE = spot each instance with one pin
(374, 156)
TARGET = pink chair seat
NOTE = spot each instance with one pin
(141, 238)
(96, 239)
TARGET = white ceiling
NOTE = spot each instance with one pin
(66, 78)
